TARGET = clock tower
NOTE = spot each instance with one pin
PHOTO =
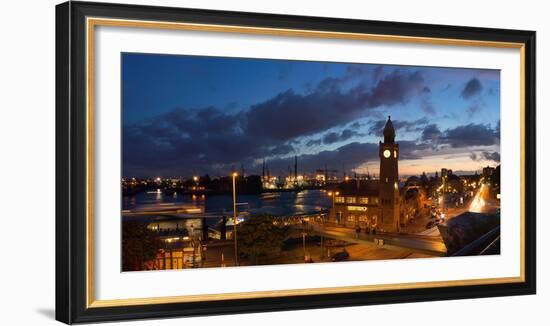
(389, 200)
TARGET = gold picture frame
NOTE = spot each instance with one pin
(76, 224)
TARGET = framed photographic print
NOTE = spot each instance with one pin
(214, 162)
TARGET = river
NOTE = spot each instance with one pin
(277, 203)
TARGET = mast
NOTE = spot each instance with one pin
(295, 168)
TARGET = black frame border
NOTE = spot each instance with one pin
(71, 162)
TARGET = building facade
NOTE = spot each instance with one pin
(369, 203)
(356, 203)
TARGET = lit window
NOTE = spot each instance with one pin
(351, 218)
(339, 199)
(364, 200)
(350, 200)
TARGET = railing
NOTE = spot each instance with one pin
(484, 245)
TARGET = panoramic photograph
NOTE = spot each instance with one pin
(232, 162)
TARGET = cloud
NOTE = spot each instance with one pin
(185, 140)
(486, 155)
(281, 149)
(211, 139)
(289, 114)
(377, 126)
(461, 136)
(314, 142)
(426, 100)
(492, 156)
(334, 137)
(431, 135)
(352, 155)
(470, 135)
(472, 88)
(472, 91)
(473, 109)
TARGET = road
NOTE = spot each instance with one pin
(483, 202)
(432, 245)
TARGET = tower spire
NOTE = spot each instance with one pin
(389, 132)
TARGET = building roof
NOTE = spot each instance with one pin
(360, 188)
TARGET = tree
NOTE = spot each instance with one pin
(261, 237)
(139, 245)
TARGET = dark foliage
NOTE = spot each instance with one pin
(139, 245)
(261, 237)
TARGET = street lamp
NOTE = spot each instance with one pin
(235, 219)
(333, 201)
(334, 198)
(333, 195)
(304, 245)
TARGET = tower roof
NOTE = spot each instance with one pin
(389, 132)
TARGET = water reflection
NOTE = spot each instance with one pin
(279, 204)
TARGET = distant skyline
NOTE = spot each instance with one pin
(189, 115)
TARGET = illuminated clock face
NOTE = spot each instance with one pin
(387, 153)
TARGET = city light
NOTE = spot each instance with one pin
(193, 211)
(478, 203)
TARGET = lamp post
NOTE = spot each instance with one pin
(333, 195)
(235, 219)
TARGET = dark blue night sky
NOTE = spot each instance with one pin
(188, 115)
